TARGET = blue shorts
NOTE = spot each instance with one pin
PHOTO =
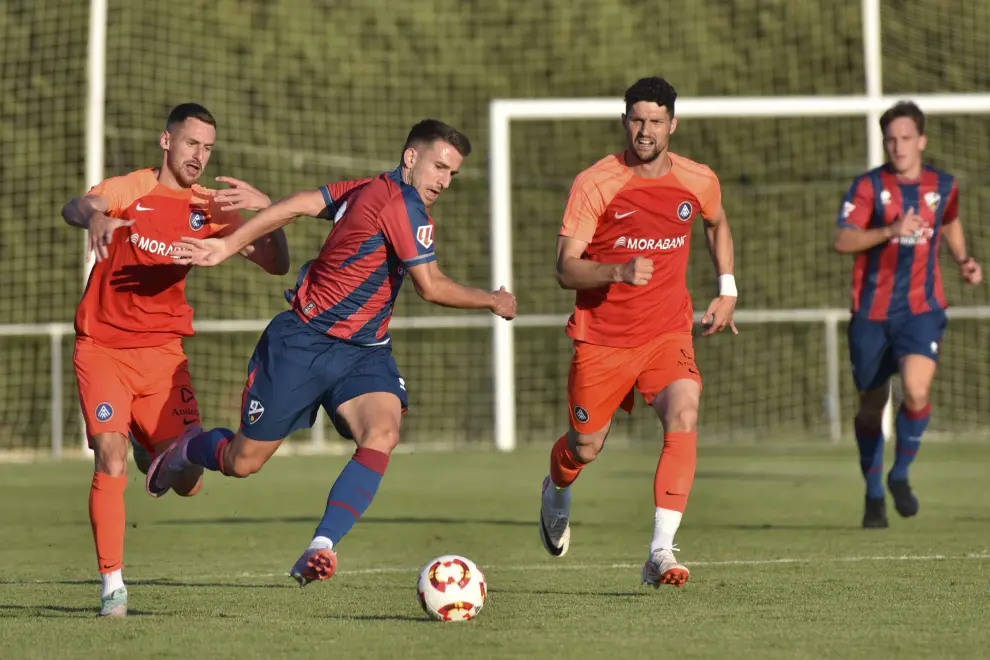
(296, 369)
(876, 347)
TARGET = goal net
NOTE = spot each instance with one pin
(307, 92)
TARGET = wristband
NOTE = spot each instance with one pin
(965, 261)
(727, 286)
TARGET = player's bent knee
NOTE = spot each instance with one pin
(587, 446)
(916, 398)
(383, 438)
(682, 419)
(110, 454)
(189, 482)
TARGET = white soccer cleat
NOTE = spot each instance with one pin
(662, 568)
(555, 514)
(170, 464)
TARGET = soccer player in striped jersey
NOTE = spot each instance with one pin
(332, 349)
(893, 219)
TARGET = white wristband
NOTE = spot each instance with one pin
(727, 286)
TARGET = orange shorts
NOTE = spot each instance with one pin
(604, 378)
(143, 391)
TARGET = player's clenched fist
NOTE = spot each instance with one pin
(504, 304)
(637, 271)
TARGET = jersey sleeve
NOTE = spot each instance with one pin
(408, 228)
(710, 196)
(951, 213)
(334, 194)
(857, 206)
(119, 191)
(585, 205)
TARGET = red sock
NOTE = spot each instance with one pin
(564, 465)
(675, 471)
(106, 515)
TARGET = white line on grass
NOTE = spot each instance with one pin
(554, 566)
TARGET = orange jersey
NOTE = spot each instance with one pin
(137, 297)
(622, 216)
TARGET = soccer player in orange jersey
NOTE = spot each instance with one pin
(130, 366)
(624, 248)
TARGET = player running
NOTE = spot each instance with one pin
(132, 373)
(624, 248)
(332, 349)
(892, 219)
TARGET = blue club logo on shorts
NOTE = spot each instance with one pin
(197, 220)
(104, 412)
(685, 211)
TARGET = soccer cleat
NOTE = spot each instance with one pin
(315, 564)
(555, 529)
(662, 568)
(875, 514)
(170, 465)
(115, 604)
(904, 498)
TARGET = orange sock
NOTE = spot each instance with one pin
(675, 471)
(106, 515)
(564, 465)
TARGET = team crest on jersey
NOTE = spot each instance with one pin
(104, 412)
(425, 236)
(196, 220)
(255, 411)
(932, 199)
(847, 209)
(885, 197)
(685, 211)
(581, 415)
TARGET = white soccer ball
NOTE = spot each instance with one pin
(452, 588)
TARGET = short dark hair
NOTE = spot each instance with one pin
(430, 130)
(903, 109)
(654, 89)
(185, 111)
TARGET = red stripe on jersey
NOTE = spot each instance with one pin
(348, 327)
(887, 267)
(917, 294)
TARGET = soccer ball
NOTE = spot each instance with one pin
(452, 588)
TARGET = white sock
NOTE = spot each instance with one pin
(321, 543)
(110, 582)
(665, 524)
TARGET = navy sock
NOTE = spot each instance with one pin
(352, 493)
(205, 448)
(910, 424)
(870, 441)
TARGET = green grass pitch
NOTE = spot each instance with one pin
(780, 567)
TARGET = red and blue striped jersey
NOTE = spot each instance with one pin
(381, 229)
(902, 275)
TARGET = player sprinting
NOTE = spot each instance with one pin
(893, 219)
(130, 366)
(333, 349)
(624, 247)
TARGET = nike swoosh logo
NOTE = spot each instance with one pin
(187, 421)
(140, 208)
(620, 216)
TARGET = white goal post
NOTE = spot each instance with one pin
(870, 105)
